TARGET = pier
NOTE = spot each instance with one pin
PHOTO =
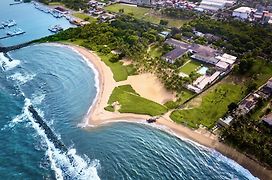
(8, 36)
(16, 3)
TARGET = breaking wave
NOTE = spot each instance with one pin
(7, 64)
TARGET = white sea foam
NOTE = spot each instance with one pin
(37, 98)
(22, 78)
(60, 162)
(6, 64)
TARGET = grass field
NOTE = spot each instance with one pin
(84, 16)
(156, 51)
(213, 106)
(120, 72)
(189, 67)
(56, 4)
(144, 14)
(131, 102)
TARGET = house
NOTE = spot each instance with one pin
(267, 119)
(174, 54)
(203, 81)
(267, 89)
(164, 34)
(248, 103)
(222, 65)
(243, 12)
(205, 59)
(176, 43)
(225, 122)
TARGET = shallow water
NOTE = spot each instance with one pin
(61, 87)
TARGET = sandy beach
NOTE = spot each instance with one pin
(149, 87)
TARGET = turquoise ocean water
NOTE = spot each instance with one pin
(61, 87)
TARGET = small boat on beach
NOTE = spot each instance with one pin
(151, 120)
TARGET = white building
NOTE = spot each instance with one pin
(243, 12)
(215, 5)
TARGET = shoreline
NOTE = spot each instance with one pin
(97, 116)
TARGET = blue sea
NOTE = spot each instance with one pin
(31, 20)
(61, 86)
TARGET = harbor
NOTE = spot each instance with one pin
(11, 32)
(44, 9)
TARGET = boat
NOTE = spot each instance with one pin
(15, 32)
(11, 23)
(55, 28)
(151, 120)
(2, 26)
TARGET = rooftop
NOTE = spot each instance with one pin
(176, 53)
(243, 10)
(268, 119)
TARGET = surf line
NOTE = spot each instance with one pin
(51, 135)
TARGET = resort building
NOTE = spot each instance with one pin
(214, 5)
(243, 12)
(175, 54)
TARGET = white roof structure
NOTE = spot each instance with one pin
(225, 121)
(214, 76)
(243, 10)
(213, 5)
(228, 56)
(222, 65)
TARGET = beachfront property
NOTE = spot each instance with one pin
(214, 5)
(217, 63)
(251, 100)
(225, 121)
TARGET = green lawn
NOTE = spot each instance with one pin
(213, 106)
(84, 16)
(138, 12)
(56, 4)
(189, 67)
(120, 72)
(155, 51)
(144, 14)
(131, 102)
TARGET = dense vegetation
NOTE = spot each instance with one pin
(251, 137)
(130, 102)
(127, 35)
(72, 4)
(237, 37)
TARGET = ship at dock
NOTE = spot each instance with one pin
(15, 32)
(55, 28)
(8, 23)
